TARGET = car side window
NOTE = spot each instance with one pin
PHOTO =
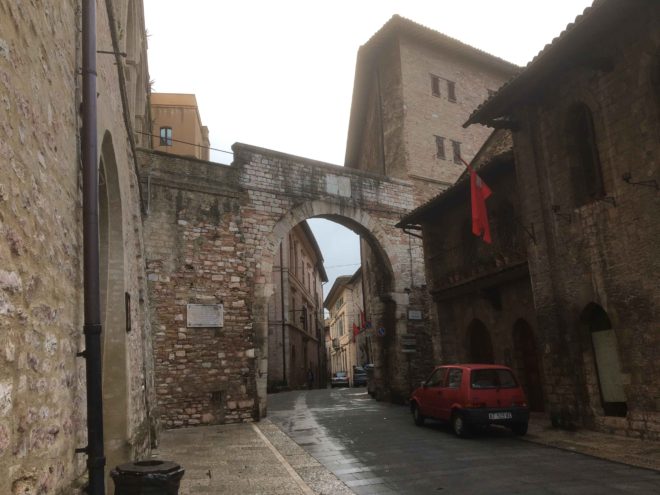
(454, 378)
(437, 378)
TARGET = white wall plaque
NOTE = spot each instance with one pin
(414, 314)
(205, 315)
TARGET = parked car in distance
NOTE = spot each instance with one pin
(359, 376)
(471, 395)
(339, 379)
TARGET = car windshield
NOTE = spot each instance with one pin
(492, 378)
(339, 374)
(359, 371)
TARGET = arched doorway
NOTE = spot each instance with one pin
(527, 363)
(384, 308)
(113, 310)
(479, 345)
(605, 351)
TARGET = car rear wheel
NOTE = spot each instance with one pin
(418, 417)
(519, 428)
(458, 424)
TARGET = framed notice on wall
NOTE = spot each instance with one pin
(205, 316)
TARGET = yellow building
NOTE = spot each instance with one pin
(177, 127)
(349, 345)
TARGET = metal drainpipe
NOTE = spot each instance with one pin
(92, 326)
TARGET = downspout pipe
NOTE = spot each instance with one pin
(92, 298)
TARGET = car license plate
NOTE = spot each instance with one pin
(500, 415)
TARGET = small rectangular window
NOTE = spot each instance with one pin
(457, 151)
(451, 91)
(435, 85)
(440, 147)
(166, 136)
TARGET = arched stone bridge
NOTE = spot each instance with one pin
(211, 236)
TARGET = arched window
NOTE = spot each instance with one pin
(527, 363)
(585, 171)
(606, 357)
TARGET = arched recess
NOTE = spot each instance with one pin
(113, 311)
(595, 321)
(478, 345)
(527, 363)
(359, 222)
(586, 176)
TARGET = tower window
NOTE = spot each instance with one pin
(456, 146)
(440, 147)
(435, 85)
(451, 91)
(166, 136)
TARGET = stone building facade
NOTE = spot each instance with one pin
(296, 342)
(414, 88)
(176, 126)
(42, 381)
(482, 292)
(585, 122)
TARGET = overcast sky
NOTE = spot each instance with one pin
(279, 73)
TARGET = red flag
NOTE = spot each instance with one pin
(479, 193)
(356, 331)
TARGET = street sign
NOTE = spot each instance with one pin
(381, 332)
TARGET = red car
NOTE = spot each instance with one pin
(469, 395)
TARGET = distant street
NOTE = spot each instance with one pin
(375, 449)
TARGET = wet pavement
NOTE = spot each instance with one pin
(374, 448)
(245, 459)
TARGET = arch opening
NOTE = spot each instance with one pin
(585, 167)
(379, 312)
(527, 364)
(604, 349)
(479, 345)
(113, 311)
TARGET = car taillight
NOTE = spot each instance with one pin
(519, 403)
(475, 404)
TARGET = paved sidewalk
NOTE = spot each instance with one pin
(625, 450)
(259, 459)
(245, 459)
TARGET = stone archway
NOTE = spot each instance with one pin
(478, 345)
(367, 227)
(113, 311)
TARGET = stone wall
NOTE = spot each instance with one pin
(605, 251)
(42, 384)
